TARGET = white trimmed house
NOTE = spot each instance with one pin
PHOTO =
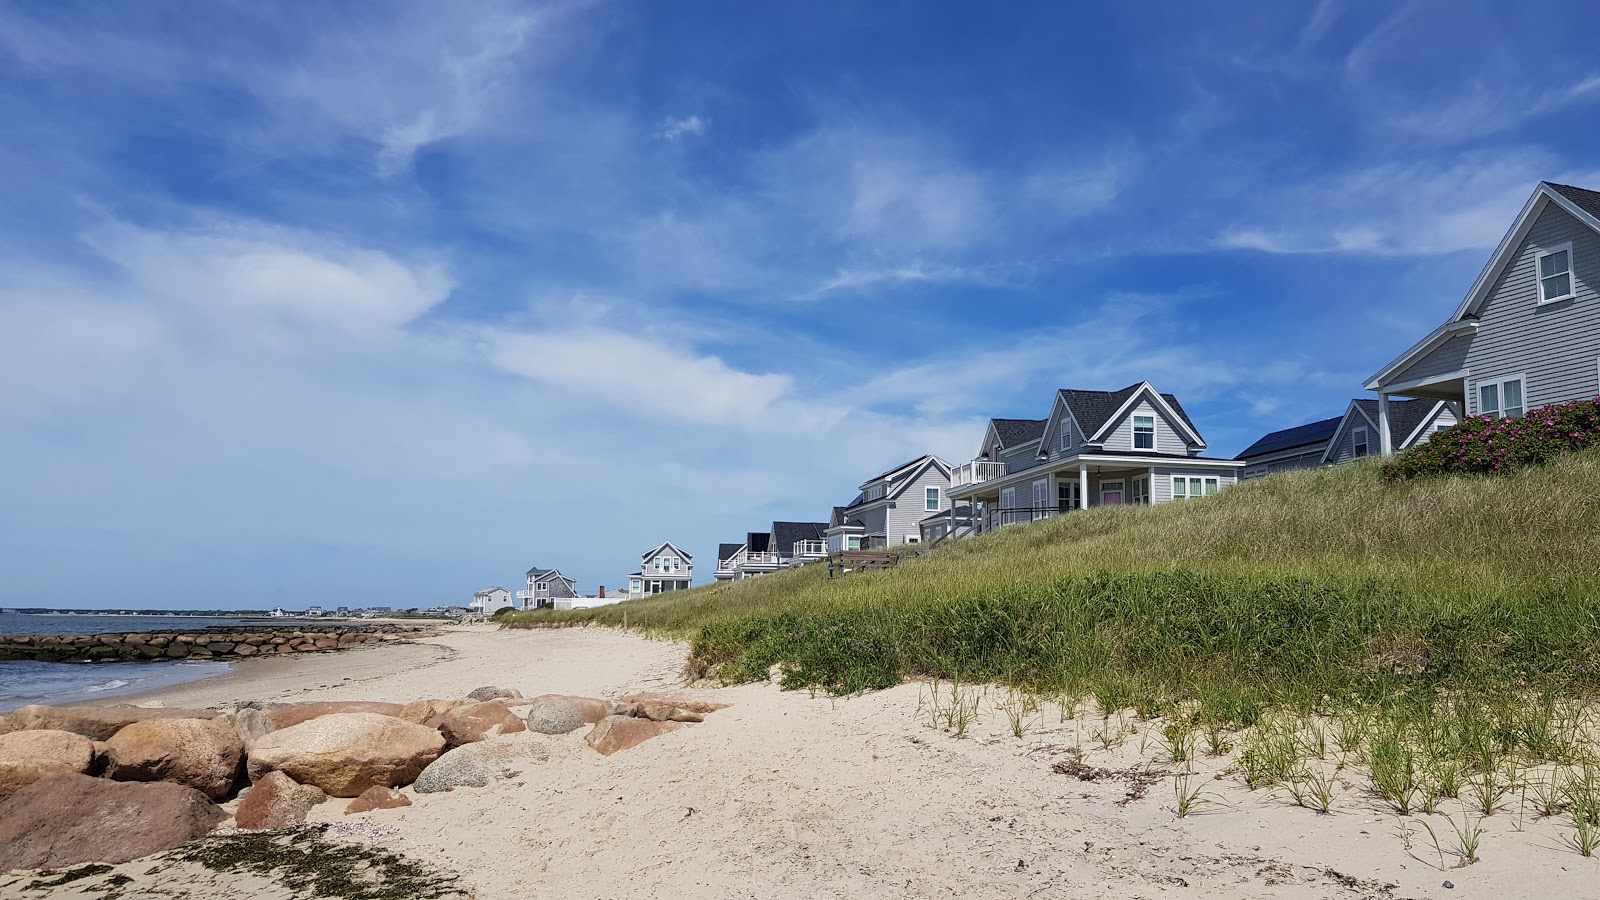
(1097, 448)
(1528, 332)
(787, 545)
(1347, 437)
(545, 587)
(488, 600)
(666, 568)
(890, 507)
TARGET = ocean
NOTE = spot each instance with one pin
(22, 683)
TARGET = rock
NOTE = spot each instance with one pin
(700, 707)
(97, 723)
(203, 754)
(294, 714)
(554, 715)
(27, 756)
(662, 711)
(376, 797)
(346, 753)
(277, 801)
(593, 709)
(495, 693)
(251, 724)
(614, 733)
(67, 820)
(475, 765)
(429, 712)
(470, 724)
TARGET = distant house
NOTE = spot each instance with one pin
(665, 568)
(277, 612)
(1411, 422)
(890, 507)
(342, 611)
(1300, 447)
(545, 586)
(489, 600)
(313, 611)
(1097, 448)
(1528, 332)
(786, 545)
(725, 563)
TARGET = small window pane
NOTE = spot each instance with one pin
(1211, 486)
(1513, 393)
(1553, 264)
(1180, 487)
(1489, 399)
(1557, 286)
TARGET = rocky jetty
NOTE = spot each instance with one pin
(69, 777)
(210, 643)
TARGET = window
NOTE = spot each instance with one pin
(1144, 432)
(931, 499)
(1066, 435)
(1358, 439)
(1501, 399)
(913, 538)
(1008, 498)
(1041, 494)
(1555, 273)
(1141, 491)
(1185, 487)
(853, 542)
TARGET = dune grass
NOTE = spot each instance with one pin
(1308, 590)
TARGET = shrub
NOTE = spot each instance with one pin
(1480, 445)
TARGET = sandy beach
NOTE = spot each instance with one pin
(784, 794)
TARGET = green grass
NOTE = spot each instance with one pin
(1315, 591)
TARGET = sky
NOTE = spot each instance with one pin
(384, 303)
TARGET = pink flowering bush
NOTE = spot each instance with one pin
(1484, 446)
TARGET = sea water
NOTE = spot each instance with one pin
(25, 682)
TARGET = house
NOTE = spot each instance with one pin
(277, 612)
(786, 545)
(666, 568)
(1411, 422)
(342, 611)
(1097, 448)
(489, 600)
(1300, 447)
(890, 507)
(1527, 334)
(313, 611)
(545, 586)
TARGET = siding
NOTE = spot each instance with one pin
(1021, 460)
(1445, 418)
(1306, 457)
(1168, 440)
(910, 507)
(1344, 441)
(1555, 346)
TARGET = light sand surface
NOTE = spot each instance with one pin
(786, 795)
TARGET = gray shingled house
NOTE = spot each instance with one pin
(545, 586)
(1343, 438)
(890, 507)
(1528, 332)
(1300, 447)
(786, 545)
(1097, 448)
(661, 569)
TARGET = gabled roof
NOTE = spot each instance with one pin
(1405, 418)
(490, 590)
(664, 545)
(1096, 410)
(896, 470)
(1012, 432)
(726, 551)
(547, 574)
(785, 534)
(1583, 205)
(1298, 436)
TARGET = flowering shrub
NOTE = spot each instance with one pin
(1485, 446)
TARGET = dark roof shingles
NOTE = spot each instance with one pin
(1298, 436)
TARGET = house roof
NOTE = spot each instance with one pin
(1012, 432)
(1404, 416)
(1586, 200)
(1093, 409)
(785, 534)
(900, 468)
(1298, 436)
(490, 590)
(664, 545)
(726, 551)
(545, 574)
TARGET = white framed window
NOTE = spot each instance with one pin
(1358, 441)
(1503, 398)
(1555, 273)
(1041, 494)
(1140, 495)
(913, 538)
(1144, 432)
(1008, 498)
(1188, 487)
(930, 499)
(852, 542)
(1065, 439)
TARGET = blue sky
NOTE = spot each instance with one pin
(383, 303)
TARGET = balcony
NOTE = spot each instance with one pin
(810, 548)
(524, 595)
(977, 472)
(759, 559)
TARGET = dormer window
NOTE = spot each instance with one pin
(1555, 273)
(1358, 441)
(1144, 432)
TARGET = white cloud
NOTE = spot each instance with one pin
(677, 128)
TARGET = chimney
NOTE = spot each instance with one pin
(602, 592)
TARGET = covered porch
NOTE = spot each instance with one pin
(1050, 490)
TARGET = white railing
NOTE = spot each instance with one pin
(760, 559)
(726, 565)
(810, 548)
(524, 595)
(977, 472)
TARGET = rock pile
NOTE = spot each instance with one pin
(206, 644)
(110, 784)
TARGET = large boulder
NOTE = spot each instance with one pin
(554, 715)
(699, 707)
(67, 820)
(290, 716)
(277, 801)
(27, 756)
(203, 754)
(495, 693)
(346, 753)
(614, 733)
(377, 797)
(250, 724)
(429, 712)
(97, 723)
(470, 724)
(475, 765)
(593, 708)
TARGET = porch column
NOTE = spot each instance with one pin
(1385, 445)
(1083, 485)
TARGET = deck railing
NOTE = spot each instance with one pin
(977, 472)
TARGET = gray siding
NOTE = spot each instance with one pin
(1021, 460)
(1168, 440)
(1306, 457)
(1161, 484)
(1556, 346)
(1445, 419)
(1344, 440)
(911, 507)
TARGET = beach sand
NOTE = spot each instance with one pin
(787, 795)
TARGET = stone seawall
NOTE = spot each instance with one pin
(211, 643)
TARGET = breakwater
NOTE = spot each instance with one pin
(209, 643)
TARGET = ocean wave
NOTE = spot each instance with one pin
(108, 686)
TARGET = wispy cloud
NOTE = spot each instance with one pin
(674, 129)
